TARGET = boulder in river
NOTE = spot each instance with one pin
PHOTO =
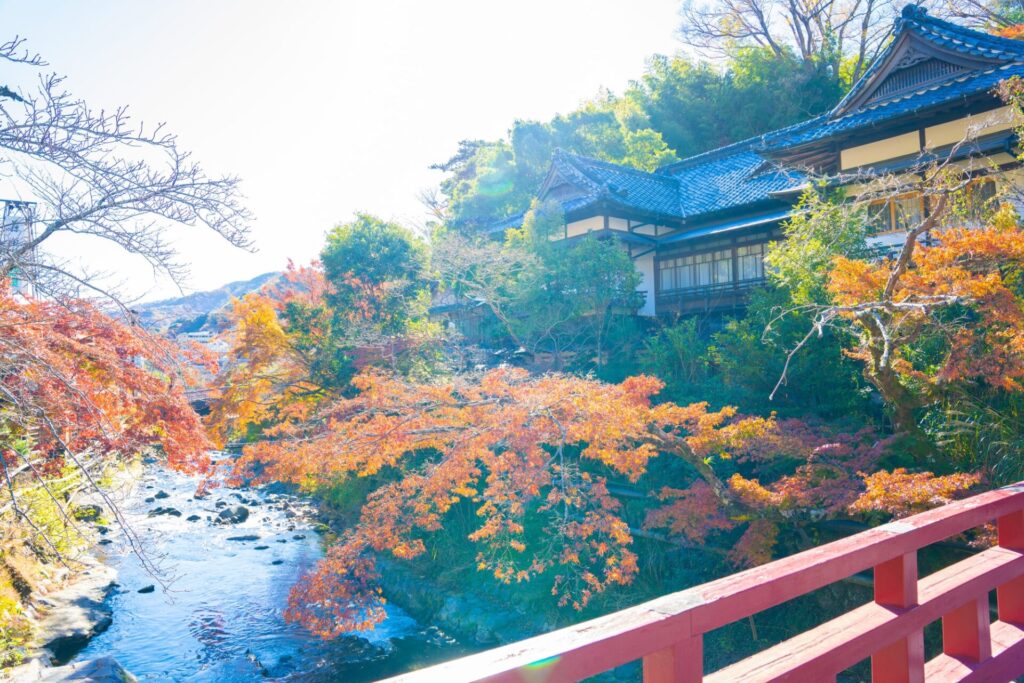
(193, 518)
(161, 494)
(147, 589)
(261, 547)
(99, 670)
(173, 512)
(233, 515)
(247, 537)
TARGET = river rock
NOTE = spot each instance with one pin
(276, 562)
(261, 547)
(77, 613)
(161, 494)
(193, 518)
(99, 670)
(247, 537)
(235, 515)
(147, 589)
(156, 512)
(276, 488)
(150, 499)
(87, 513)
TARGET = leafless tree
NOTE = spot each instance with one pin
(832, 30)
(99, 174)
(986, 13)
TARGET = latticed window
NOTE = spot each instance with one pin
(697, 270)
(896, 215)
(750, 262)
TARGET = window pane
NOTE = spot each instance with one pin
(703, 274)
(909, 212)
(723, 271)
(878, 217)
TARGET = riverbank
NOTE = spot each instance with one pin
(69, 619)
(64, 603)
(229, 560)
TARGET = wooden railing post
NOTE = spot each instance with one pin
(896, 586)
(965, 631)
(681, 663)
(1010, 596)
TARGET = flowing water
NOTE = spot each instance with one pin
(221, 619)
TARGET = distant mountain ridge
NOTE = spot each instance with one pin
(200, 310)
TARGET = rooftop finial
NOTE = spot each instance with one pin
(913, 11)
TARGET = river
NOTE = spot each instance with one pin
(221, 618)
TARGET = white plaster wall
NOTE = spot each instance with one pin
(618, 224)
(583, 227)
(645, 265)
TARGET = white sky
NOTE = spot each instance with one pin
(327, 108)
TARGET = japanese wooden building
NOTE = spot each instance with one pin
(698, 229)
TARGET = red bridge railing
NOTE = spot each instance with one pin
(667, 633)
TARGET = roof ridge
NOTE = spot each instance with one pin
(572, 156)
(920, 16)
(737, 146)
(916, 19)
(725, 150)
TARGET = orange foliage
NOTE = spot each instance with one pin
(74, 380)
(268, 380)
(974, 268)
(514, 447)
(901, 493)
(1013, 31)
(824, 482)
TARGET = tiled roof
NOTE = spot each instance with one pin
(621, 185)
(742, 175)
(946, 92)
(721, 181)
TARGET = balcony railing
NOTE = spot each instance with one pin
(667, 633)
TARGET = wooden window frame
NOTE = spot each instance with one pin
(890, 204)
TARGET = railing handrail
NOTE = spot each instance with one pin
(667, 631)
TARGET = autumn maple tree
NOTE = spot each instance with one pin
(515, 447)
(80, 389)
(945, 309)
